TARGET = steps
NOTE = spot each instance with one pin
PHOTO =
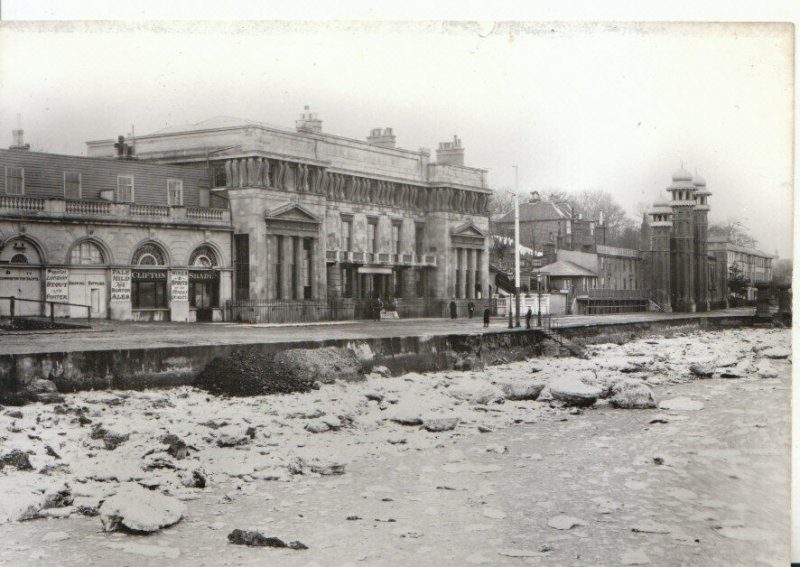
(575, 350)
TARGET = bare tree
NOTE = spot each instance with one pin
(733, 231)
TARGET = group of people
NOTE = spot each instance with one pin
(487, 313)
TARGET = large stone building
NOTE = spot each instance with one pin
(750, 263)
(683, 275)
(320, 217)
(130, 239)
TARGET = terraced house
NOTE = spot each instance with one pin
(127, 238)
(324, 224)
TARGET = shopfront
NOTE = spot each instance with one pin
(149, 298)
(204, 293)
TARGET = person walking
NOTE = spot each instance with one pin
(486, 314)
(528, 316)
(453, 309)
(470, 309)
(378, 308)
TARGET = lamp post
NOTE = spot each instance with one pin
(516, 241)
(539, 300)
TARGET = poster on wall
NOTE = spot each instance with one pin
(180, 285)
(57, 284)
(120, 285)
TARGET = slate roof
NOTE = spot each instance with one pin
(565, 268)
(538, 211)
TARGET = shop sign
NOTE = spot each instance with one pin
(180, 285)
(57, 284)
(149, 275)
(120, 285)
(202, 275)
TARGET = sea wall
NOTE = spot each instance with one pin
(172, 366)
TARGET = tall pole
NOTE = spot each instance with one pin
(516, 240)
(539, 300)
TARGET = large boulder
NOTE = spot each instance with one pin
(137, 509)
(574, 392)
(632, 394)
(247, 372)
(475, 391)
(521, 391)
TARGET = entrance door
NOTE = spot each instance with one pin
(87, 287)
(201, 295)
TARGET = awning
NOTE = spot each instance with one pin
(374, 270)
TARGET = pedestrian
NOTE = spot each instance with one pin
(453, 308)
(378, 308)
(528, 316)
(486, 314)
(470, 309)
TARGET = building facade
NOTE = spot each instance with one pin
(683, 274)
(752, 264)
(131, 240)
(321, 217)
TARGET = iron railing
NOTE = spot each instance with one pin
(48, 306)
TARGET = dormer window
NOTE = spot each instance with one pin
(175, 192)
(125, 189)
(72, 185)
(15, 180)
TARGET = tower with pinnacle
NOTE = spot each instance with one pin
(701, 194)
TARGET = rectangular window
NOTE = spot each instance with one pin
(15, 181)
(72, 185)
(372, 237)
(419, 282)
(241, 244)
(347, 281)
(175, 192)
(124, 189)
(149, 293)
(419, 239)
(396, 238)
(347, 233)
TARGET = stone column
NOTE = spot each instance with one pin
(299, 265)
(462, 261)
(286, 268)
(408, 282)
(469, 266)
(271, 259)
(335, 285)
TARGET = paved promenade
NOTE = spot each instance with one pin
(112, 335)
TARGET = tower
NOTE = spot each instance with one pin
(660, 230)
(683, 235)
(701, 208)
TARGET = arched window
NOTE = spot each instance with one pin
(203, 257)
(87, 252)
(149, 255)
(19, 259)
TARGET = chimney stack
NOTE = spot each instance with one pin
(450, 153)
(18, 136)
(382, 137)
(308, 122)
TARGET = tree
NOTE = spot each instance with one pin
(782, 271)
(737, 282)
(733, 231)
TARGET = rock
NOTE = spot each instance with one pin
(178, 449)
(573, 392)
(257, 539)
(520, 391)
(776, 353)
(382, 371)
(440, 424)
(632, 394)
(702, 369)
(14, 414)
(196, 480)
(332, 422)
(17, 459)
(681, 404)
(374, 396)
(140, 510)
(564, 522)
(475, 391)
(111, 440)
(317, 426)
(232, 440)
(329, 469)
(58, 497)
(405, 413)
(41, 386)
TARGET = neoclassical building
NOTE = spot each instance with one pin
(318, 217)
(131, 239)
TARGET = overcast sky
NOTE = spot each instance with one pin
(575, 106)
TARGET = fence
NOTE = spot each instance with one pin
(605, 301)
(346, 309)
(49, 306)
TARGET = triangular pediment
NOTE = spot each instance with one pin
(292, 212)
(468, 229)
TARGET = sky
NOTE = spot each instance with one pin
(574, 105)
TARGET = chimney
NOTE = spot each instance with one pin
(450, 153)
(124, 151)
(18, 136)
(382, 137)
(535, 197)
(308, 122)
